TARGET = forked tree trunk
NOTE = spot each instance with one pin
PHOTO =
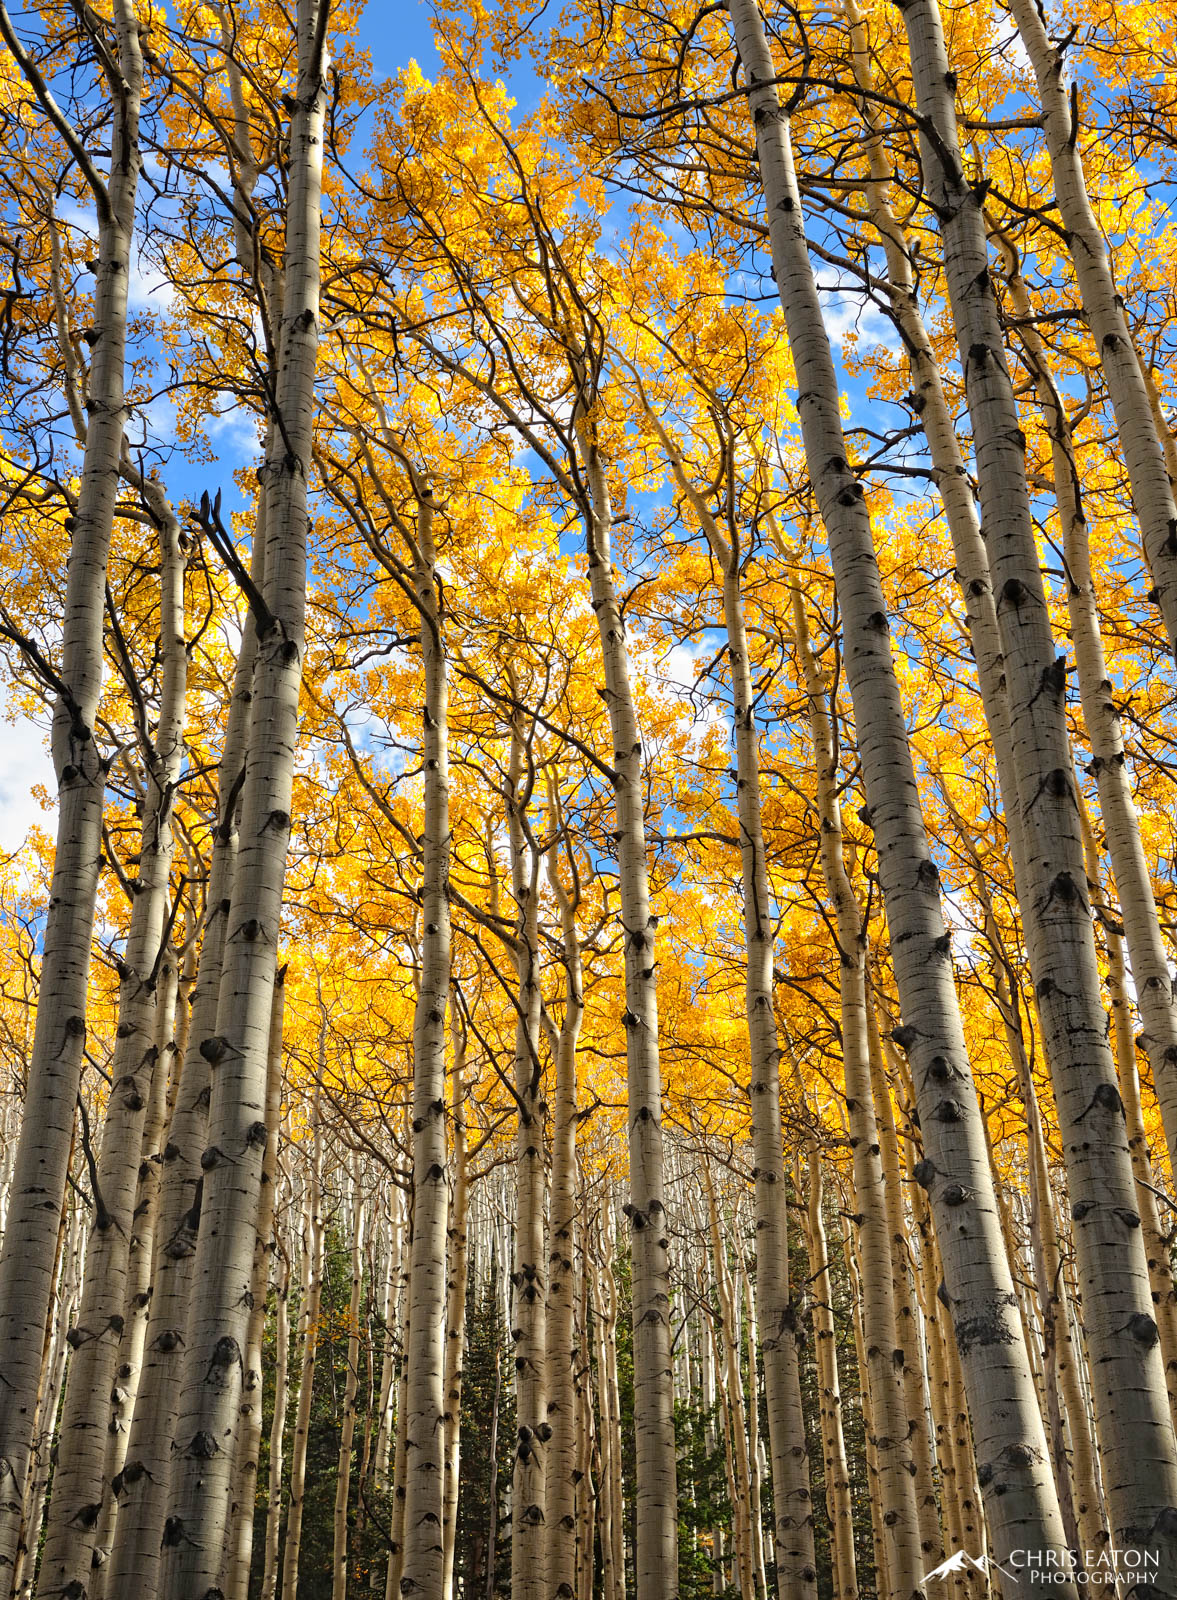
(1137, 1446)
(218, 1330)
(41, 1165)
(1011, 1437)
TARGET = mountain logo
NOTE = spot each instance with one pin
(960, 1562)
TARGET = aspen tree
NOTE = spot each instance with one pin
(1011, 1438)
(1109, 762)
(793, 1527)
(269, 1587)
(239, 1553)
(1153, 495)
(141, 1486)
(350, 1389)
(218, 1329)
(564, 1457)
(41, 1163)
(656, 1492)
(78, 1502)
(313, 1249)
(1137, 1446)
(837, 1472)
(886, 1358)
(527, 1317)
(424, 1392)
(458, 1256)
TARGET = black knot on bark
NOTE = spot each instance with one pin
(213, 1049)
(877, 622)
(940, 1069)
(904, 1036)
(203, 1446)
(949, 1111)
(1080, 1209)
(923, 1172)
(1143, 1329)
(256, 1134)
(956, 1194)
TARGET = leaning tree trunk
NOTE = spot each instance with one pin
(1021, 1503)
(78, 1504)
(422, 1564)
(655, 1488)
(219, 1326)
(54, 1072)
(1137, 1447)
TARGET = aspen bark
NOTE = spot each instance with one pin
(656, 1492)
(527, 1318)
(837, 1472)
(269, 1587)
(350, 1389)
(1109, 765)
(215, 1355)
(793, 1525)
(886, 1358)
(142, 1485)
(1133, 1425)
(40, 1170)
(1012, 1440)
(239, 1554)
(455, 1316)
(424, 1409)
(564, 1458)
(309, 1316)
(78, 1503)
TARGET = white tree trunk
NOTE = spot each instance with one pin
(42, 1157)
(1021, 1504)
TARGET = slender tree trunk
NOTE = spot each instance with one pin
(80, 1486)
(656, 1494)
(528, 1537)
(1134, 890)
(142, 1486)
(1133, 1425)
(309, 1316)
(793, 1509)
(350, 1389)
(41, 1166)
(455, 1316)
(837, 1472)
(218, 1330)
(886, 1358)
(424, 1427)
(564, 1457)
(239, 1555)
(604, 1292)
(269, 1587)
(1012, 1439)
